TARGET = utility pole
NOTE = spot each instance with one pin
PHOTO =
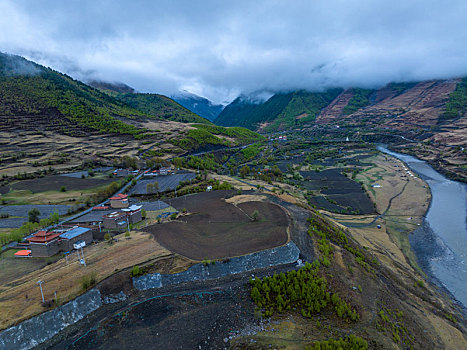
(42, 293)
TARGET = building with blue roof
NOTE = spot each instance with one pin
(75, 234)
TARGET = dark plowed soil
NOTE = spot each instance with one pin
(55, 182)
(217, 229)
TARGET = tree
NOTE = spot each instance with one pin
(54, 217)
(244, 171)
(149, 188)
(107, 237)
(63, 189)
(33, 215)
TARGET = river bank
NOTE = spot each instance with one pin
(440, 243)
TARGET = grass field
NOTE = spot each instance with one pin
(216, 229)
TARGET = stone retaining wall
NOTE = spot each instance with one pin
(38, 329)
(286, 254)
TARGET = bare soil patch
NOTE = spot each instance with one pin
(217, 229)
(55, 182)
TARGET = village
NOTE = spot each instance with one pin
(116, 215)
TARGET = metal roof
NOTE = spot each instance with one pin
(74, 232)
(134, 207)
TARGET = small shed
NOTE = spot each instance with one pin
(79, 244)
(23, 253)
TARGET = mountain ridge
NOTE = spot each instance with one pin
(199, 105)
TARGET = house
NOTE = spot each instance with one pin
(121, 172)
(165, 171)
(115, 220)
(149, 173)
(44, 243)
(133, 213)
(102, 207)
(76, 234)
(119, 201)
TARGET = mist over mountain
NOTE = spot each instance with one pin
(221, 50)
(199, 105)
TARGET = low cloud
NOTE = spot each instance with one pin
(220, 50)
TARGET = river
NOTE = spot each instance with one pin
(440, 243)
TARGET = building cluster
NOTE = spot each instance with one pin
(115, 216)
(279, 138)
(161, 171)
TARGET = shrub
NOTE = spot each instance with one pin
(255, 215)
(33, 215)
(136, 271)
(89, 280)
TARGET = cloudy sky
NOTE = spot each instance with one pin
(219, 49)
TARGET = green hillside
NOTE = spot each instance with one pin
(303, 108)
(27, 88)
(209, 134)
(282, 110)
(359, 99)
(236, 113)
(457, 103)
(33, 97)
(160, 107)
